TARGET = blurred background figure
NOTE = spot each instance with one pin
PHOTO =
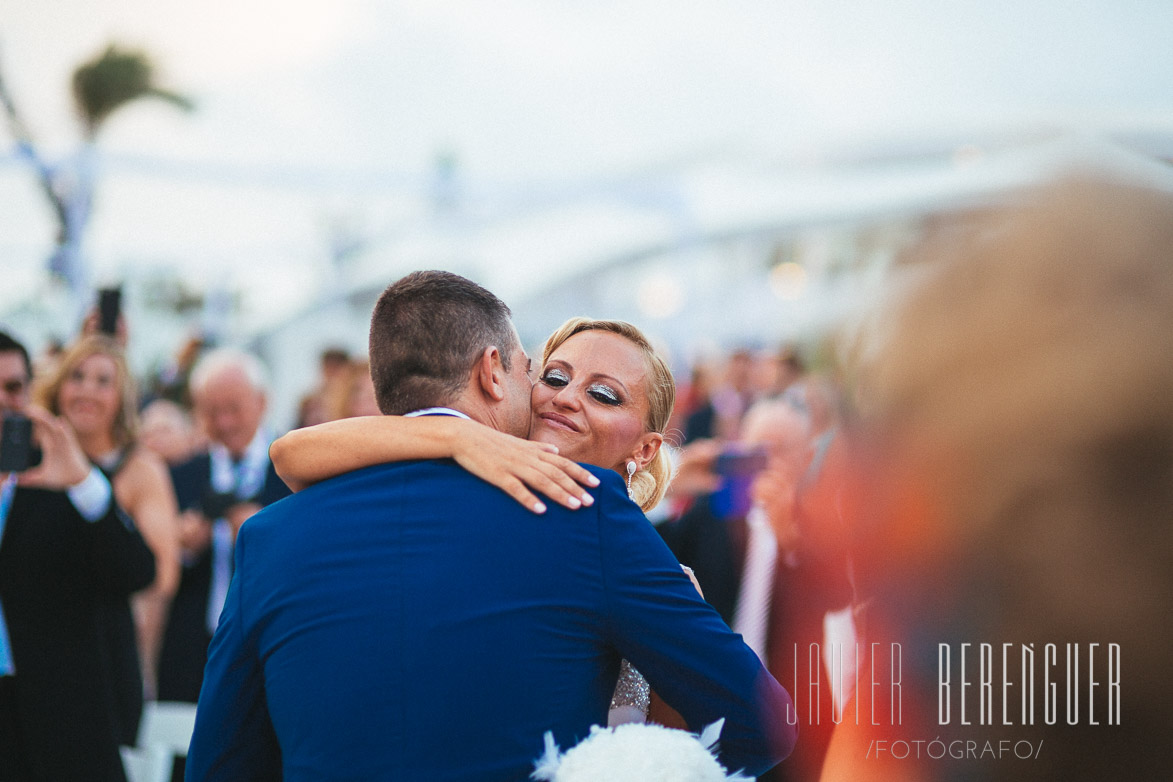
(694, 416)
(69, 561)
(93, 391)
(328, 399)
(777, 371)
(734, 395)
(168, 430)
(46, 362)
(171, 381)
(356, 393)
(217, 490)
(1013, 475)
(765, 573)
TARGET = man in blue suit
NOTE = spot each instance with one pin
(409, 621)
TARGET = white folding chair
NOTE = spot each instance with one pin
(163, 735)
(146, 765)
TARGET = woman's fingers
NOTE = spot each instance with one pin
(555, 485)
(517, 490)
(524, 469)
(569, 478)
(518, 481)
(575, 472)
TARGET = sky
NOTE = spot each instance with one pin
(315, 114)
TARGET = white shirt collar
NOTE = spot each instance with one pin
(256, 451)
(255, 462)
(437, 411)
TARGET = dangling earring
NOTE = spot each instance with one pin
(630, 472)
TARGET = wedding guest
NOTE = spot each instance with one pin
(764, 571)
(68, 558)
(355, 394)
(217, 490)
(168, 430)
(171, 381)
(93, 391)
(732, 398)
(778, 371)
(694, 415)
(323, 403)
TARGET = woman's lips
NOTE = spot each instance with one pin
(559, 422)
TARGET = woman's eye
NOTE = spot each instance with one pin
(555, 378)
(604, 394)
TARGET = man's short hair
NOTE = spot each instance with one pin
(427, 331)
(10, 345)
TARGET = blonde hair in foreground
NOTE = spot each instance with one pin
(1026, 367)
(649, 484)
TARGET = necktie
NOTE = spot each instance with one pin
(221, 572)
(757, 582)
(222, 551)
(7, 497)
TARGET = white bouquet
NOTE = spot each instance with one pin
(636, 753)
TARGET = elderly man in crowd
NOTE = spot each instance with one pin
(217, 490)
(765, 566)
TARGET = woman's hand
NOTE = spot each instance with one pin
(516, 466)
(63, 463)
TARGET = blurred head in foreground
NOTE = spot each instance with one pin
(1016, 417)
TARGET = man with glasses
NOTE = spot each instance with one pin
(14, 374)
(66, 553)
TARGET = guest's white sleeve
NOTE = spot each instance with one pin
(92, 496)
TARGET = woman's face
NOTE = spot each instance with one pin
(88, 398)
(590, 401)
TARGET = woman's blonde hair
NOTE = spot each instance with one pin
(647, 485)
(126, 417)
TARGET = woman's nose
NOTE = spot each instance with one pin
(567, 397)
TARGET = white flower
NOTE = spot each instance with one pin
(636, 753)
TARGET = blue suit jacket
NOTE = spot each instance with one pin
(409, 621)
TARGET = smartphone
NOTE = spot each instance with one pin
(737, 468)
(739, 463)
(215, 505)
(109, 308)
(17, 451)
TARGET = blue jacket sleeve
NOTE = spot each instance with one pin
(234, 737)
(681, 645)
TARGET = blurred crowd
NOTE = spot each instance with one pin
(186, 451)
(994, 465)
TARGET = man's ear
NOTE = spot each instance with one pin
(489, 374)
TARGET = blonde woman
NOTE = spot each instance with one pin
(92, 389)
